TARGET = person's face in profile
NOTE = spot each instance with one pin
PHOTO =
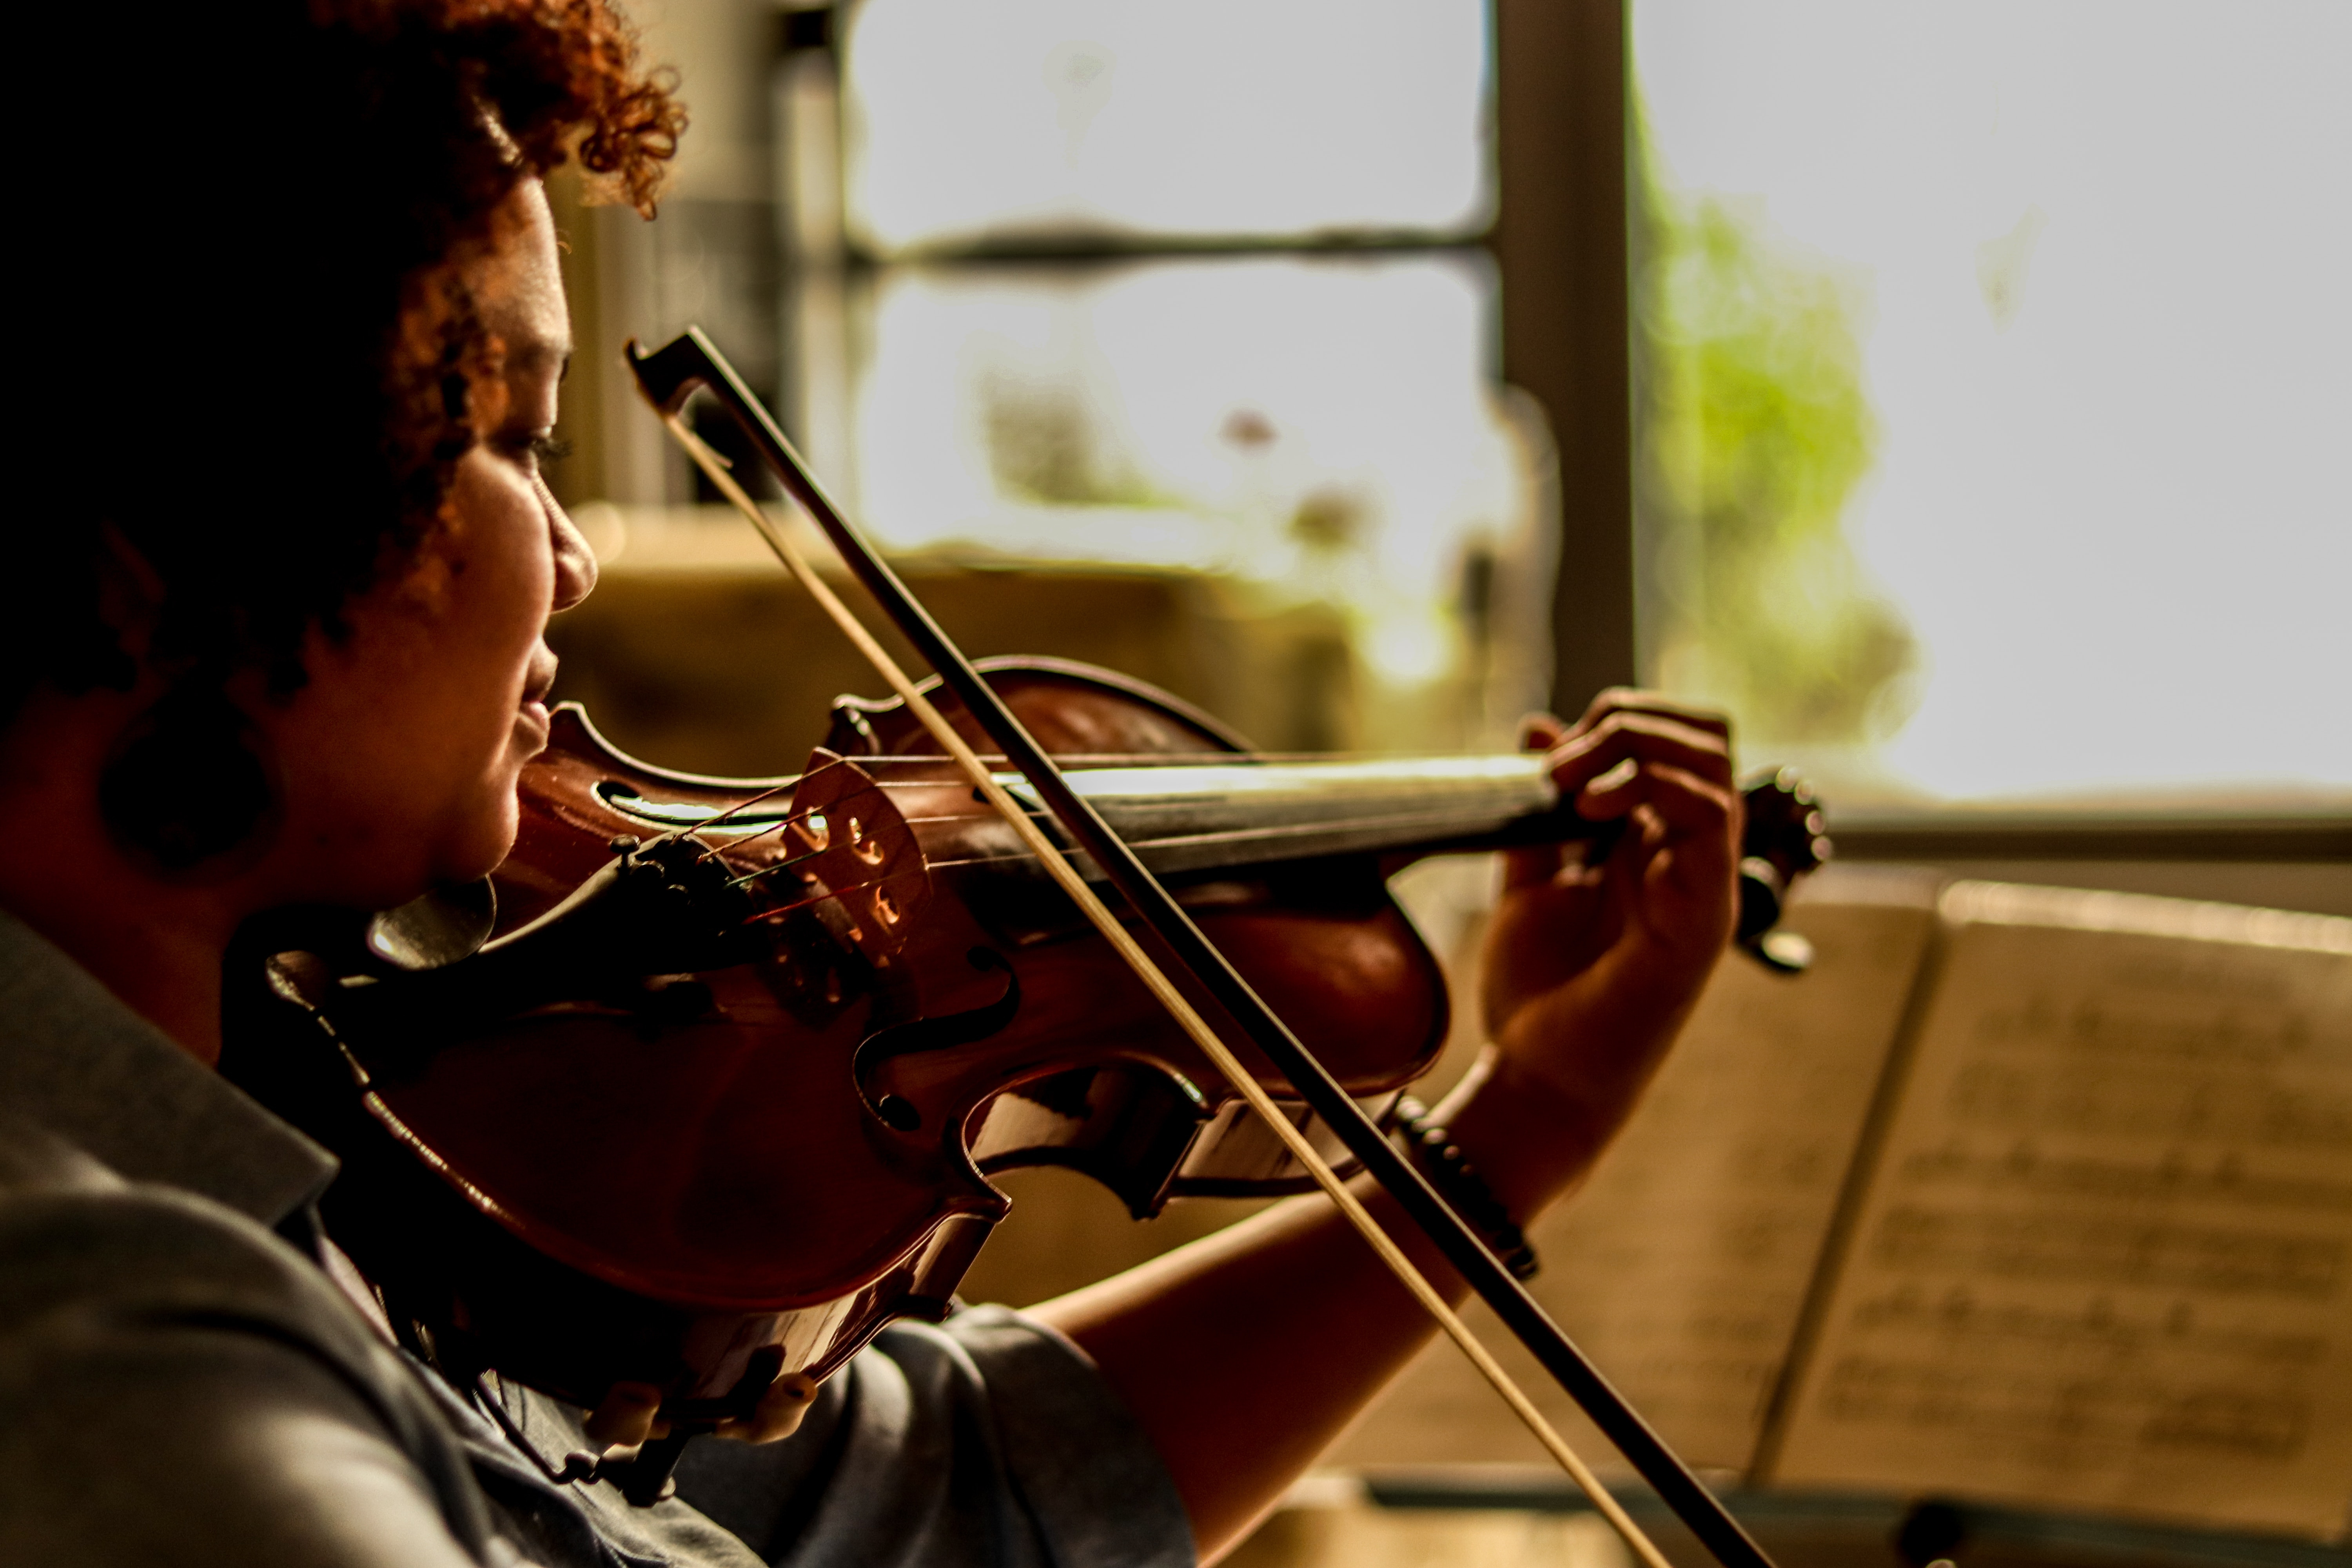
(401, 755)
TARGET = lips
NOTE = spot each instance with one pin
(540, 679)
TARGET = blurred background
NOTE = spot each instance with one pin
(1955, 394)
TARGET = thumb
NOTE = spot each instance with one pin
(1531, 867)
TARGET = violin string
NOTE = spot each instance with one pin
(748, 802)
(1128, 810)
(1212, 1045)
(1076, 759)
(1038, 814)
(787, 862)
(786, 820)
(775, 912)
(789, 819)
(773, 867)
(723, 817)
(778, 826)
(1254, 836)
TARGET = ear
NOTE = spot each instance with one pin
(130, 593)
(189, 789)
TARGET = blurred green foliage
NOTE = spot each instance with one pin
(1756, 430)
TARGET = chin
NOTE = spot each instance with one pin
(475, 848)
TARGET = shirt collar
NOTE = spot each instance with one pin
(75, 1061)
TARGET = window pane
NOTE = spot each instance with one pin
(1997, 396)
(1315, 431)
(977, 119)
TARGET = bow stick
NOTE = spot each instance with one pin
(668, 377)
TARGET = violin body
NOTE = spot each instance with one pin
(698, 1177)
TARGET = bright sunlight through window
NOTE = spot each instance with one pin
(989, 119)
(1999, 407)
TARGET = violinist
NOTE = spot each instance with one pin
(274, 636)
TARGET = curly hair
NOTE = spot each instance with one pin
(251, 344)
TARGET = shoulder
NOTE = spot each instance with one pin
(176, 1378)
(86, 1251)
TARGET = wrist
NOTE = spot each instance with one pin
(1430, 1145)
(1530, 1142)
(1580, 1064)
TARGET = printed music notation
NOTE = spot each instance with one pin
(2064, 1098)
(2100, 1249)
(2024, 1168)
(1683, 1264)
(2104, 1259)
(2093, 1251)
(2106, 1400)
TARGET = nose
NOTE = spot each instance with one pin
(575, 563)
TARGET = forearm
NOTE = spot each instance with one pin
(1245, 1354)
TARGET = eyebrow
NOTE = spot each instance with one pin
(529, 353)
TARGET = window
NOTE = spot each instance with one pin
(969, 123)
(1996, 393)
(1186, 289)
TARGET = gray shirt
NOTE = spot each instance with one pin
(179, 1384)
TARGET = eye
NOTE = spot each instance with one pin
(540, 449)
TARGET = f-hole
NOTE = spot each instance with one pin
(933, 1034)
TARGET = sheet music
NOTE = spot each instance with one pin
(2106, 1259)
(1682, 1266)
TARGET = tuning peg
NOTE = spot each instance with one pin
(1785, 824)
(1785, 837)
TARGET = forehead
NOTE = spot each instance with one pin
(518, 285)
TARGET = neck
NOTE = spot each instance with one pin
(158, 946)
(163, 963)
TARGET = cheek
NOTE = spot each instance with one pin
(401, 753)
(501, 572)
(499, 559)
(395, 779)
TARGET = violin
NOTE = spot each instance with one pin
(706, 1083)
(720, 1095)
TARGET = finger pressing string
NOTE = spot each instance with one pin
(1640, 737)
(1682, 798)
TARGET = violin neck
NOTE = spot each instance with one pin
(1184, 818)
(1192, 817)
